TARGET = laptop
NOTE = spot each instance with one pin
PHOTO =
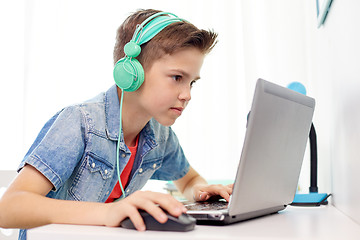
(267, 176)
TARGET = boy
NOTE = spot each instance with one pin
(76, 154)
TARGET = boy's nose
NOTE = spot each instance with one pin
(185, 94)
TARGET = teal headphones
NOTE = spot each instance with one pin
(128, 72)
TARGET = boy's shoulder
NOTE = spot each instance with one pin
(98, 103)
(91, 114)
(87, 109)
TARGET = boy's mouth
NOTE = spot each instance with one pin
(177, 110)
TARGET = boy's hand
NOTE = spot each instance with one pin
(202, 192)
(146, 200)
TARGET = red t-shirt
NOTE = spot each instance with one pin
(124, 176)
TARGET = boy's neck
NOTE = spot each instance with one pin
(130, 141)
(131, 129)
(132, 120)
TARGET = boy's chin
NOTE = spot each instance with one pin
(166, 123)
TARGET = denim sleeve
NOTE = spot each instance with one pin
(59, 146)
(174, 165)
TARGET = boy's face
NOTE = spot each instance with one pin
(166, 90)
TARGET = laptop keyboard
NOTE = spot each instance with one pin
(216, 205)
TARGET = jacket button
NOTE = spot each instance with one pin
(154, 166)
(106, 171)
(123, 155)
(93, 165)
(140, 170)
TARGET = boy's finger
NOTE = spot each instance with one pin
(157, 213)
(137, 220)
(170, 204)
(225, 195)
(230, 188)
(201, 196)
(204, 196)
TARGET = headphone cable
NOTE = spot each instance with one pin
(118, 146)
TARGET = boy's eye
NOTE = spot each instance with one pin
(176, 77)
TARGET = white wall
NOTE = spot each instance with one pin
(335, 75)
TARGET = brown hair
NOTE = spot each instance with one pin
(176, 36)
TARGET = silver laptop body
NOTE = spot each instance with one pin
(270, 163)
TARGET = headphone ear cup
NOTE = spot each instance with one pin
(128, 74)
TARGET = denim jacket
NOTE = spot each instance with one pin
(76, 151)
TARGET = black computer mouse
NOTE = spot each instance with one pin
(183, 223)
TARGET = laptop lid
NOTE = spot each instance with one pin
(274, 146)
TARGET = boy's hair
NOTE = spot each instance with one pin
(176, 36)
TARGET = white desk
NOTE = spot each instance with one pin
(324, 222)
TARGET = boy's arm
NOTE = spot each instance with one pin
(24, 205)
(194, 187)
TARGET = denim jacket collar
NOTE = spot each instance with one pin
(112, 114)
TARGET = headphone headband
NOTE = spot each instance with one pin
(148, 33)
(142, 25)
(153, 25)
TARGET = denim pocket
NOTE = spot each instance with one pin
(143, 174)
(92, 178)
(99, 164)
(147, 168)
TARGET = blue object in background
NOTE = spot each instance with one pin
(310, 199)
(297, 87)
